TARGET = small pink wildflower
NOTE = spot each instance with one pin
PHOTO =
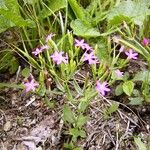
(119, 73)
(30, 86)
(37, 51)
(131, 54)
(90, 57)
(49, 37)
(87, 47)
(102, 88)
(58, 57)
(44, 47)
(80, 43)
(121, 49)
(146, 41)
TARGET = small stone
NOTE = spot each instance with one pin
(7, 126)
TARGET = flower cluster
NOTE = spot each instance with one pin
(89, 55)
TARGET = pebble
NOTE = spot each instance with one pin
(7, 126)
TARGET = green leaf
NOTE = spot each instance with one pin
(26, 72)
(77, 9)
(5, 24)
(128, 87)
(136, 100)
(143, 75)
(49, 103)
(77, 87)
(12, 85)
(136, 11)
(68, 114)
(52, 7)
(12, 13)
(83, 29)
(83, 104)
(81, 120)
(140, 144)
(118, 90)
(113, 108)
(14, 64)
(77, 133)
(69, 146)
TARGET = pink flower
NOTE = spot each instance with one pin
(83, 45)
(119, 73)
(131, 54)
(80, 43)
(37, 51)
(30, 86)
(146, 41)
(87, 47)
(44, 47)
(58, 57)
(49, 37)
(102, 88)
(121, 49)
(90, 57)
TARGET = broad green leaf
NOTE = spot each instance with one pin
(76, 133)
(118, 90)
(68, 114)
(26, 72)
(12, 13)
(5, 24)
(136, 11)
(119, 19)
(81, 120)
(143, 75)
(128, 87)
(83, 104)
(136, 100)
(140, 144)
(69, 146)
(52, 7)
(14, 18)
(113, 108)
(83, 29)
